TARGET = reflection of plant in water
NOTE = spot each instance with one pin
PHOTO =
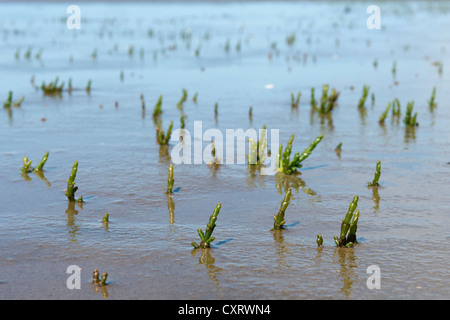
(410, 134)
(348, 265)
(282, 249)
(206, 259)
(71, 213)
(284, 182)
(171, 207)
(170, 180)
(376, 198)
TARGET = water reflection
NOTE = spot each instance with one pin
(410, 134)
(206, 259)
(376, 198)
(101, 288)
(254, 179)
(284, 182)
(171, 207)
(347, 262)
(282, 249)
(39, 174)
(71, 212)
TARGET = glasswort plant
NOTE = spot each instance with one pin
(206, 237)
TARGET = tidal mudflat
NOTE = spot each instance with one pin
(230, 66)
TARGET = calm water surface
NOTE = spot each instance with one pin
(145, 248)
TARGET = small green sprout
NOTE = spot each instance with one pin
(376, 178)
(216, 110)
(349, 226)
(313, 99)
(206, 237)
(106, 218)
(170, 181)
(363, 98)
(288, 166)
(295, 101)
(319, 240)
(41, 164)
(102, 280)
(410, 120)
(26, 165)
(256, 154)
(327, 102)
(396, 108)
(9, 102)
(52, 88)
(384, 114)
(161, 137)
(338, 147)
(158, 107)
(71, 188)
(88, 86)
(194, 98)
(432, 102)
(278, 218)
(182, 100)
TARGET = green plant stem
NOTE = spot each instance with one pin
(376, 178)
(41, 164)
(345, 225)
(71, 188)
(206, 237)
(26, 165)
(170, 181)
(279, 217)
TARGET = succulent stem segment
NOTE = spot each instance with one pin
(327, 102)
(27, 164)
(71, 188)
(384, 114)
(279, 217)
(288, 166)
(295, 101)
(257, 149)
(41, 164)
(374, 183)
(105, 218)
(431, 102)
(161, 137)
(349, 225)
(170, 181)
(319, 240)
(206, 237)
(410, 120)
(52, 88)
(363, 98)
(396, 107)
(9, 102)
(102, 280)
(158, 107)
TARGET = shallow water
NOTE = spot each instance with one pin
(145, 248)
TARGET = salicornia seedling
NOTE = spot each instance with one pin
(319, 240)
(257, 149)
(327, 102)
(431, 102)
(288, 166)
(52, 88)
(41, 164)
(71, 188)
(410, 120)
(362, 100)
(163, 138)
(384, 114)
(170, 181)
(27, 164)
(376, 178)
(158, 107)
(347, 236)
(206, 237)
(295, 101)
(279, 217)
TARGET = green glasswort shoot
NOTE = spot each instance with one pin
(182, 100)
(396, 108)
(295, 100)
(26, 165)
(102, 280)
(206, 237)
(52, 88)
(194, 98)
(384, 114)
(88, 86)
(256, 154)
(319, 240)
(158, 107)
(376, 178)
(431, 102)
(71, 188)
(363, 98)
(106, 217)
(313, 99)
(8, 101)
(278, 218)
(170, 181)
(163, 138)
(327, 102)
(216, 109)
(410, 120)
(349, 226)
(288, 166)
(41, 164)
(338, 147)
